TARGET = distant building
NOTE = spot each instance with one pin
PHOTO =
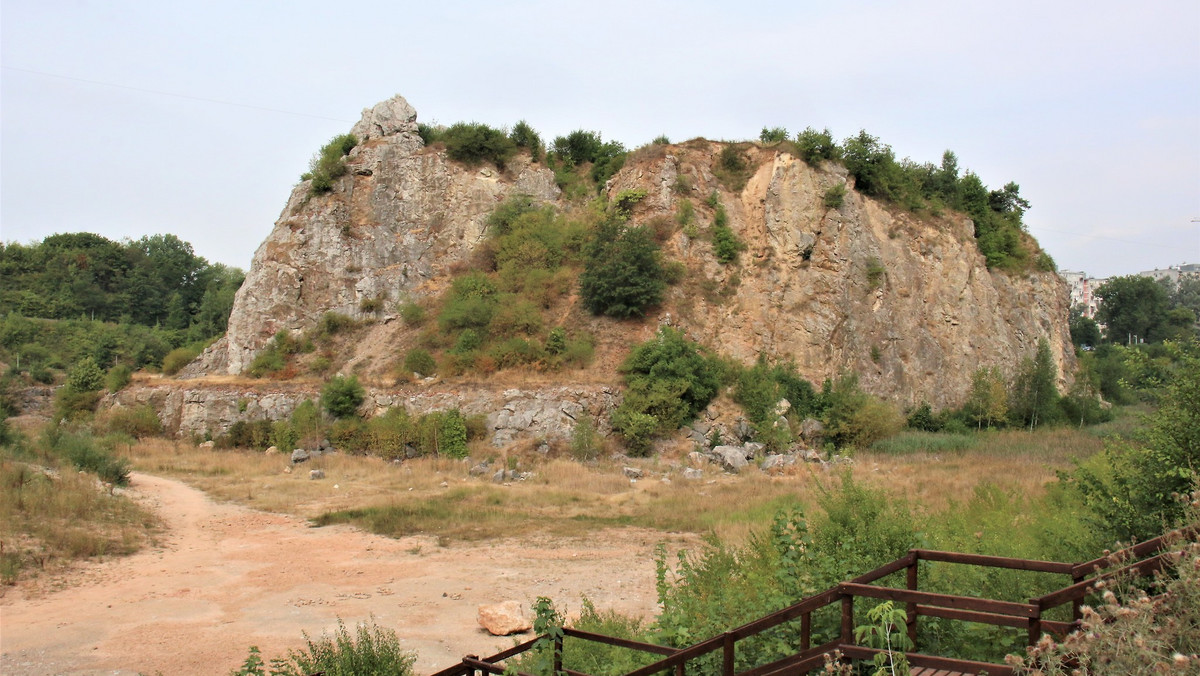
(1083, 290)
(1174, 272)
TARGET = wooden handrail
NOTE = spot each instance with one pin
(954, 607)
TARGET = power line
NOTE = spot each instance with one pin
(175, 95)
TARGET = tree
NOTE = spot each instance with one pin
(1085, 333)
(623, 273)
(1034, 397)
(1133, 308)
(453, 442)
(1135, 488)
(987, 403)
(342, 396)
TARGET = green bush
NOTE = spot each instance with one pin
(473, 143)
(420, 361)
(669, 380)
(855, 419)
(623, 272)
(139, 421)
(85, 376)
(118, 377)
(726, 244)
(176, 359)
(524, 136)
(371, 651)
(342, 396)
(412, 314)
(815, 146)
(773, 135)
(82, 451)
(835, 196)
(329, 163)
(453, 441)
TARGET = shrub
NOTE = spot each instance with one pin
(453, 442)
(330, 324)
(420, 361)
(855, 419)
(139, 421)
(815, 146)
(342, 396)
(412, 314)
(524, 136)
(732, 169)
(85, 376)
(371, 650)
(118, 378)
(473, 143)
(876, 273)
(835, 196)
(773, 135)
(371, 306)
(669, 379)
(585, 441)
(176, 359)
(329, 163)
(661, 140)
(685, 213)
(82, 451)
(623, 273)
(726, 244)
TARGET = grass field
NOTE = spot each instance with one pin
(438, 497)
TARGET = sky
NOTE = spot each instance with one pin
(197, 118)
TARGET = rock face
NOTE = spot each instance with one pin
(401, 217)
(905, 301)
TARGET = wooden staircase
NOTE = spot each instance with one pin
(1140, 560)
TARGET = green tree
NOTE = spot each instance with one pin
(453, 441)
(85, 376)
(987, 404)
(1133, 308)
(773, 135)
(1137, 489)
(623, 273)
(669, 379)
(1034, 397)
(342, 396)
(1085, 332)
(815, 146)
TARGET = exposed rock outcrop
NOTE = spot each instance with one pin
(905, 301)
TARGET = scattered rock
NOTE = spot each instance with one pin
(543, 448)
(445, 484)
(776, 463)
(732, 458)
(316, 474)
(782, 407)
(287, 469)
(697, 459)
(632, 472)
(481, 469)
(692, 474)
(504, 619)
(300, 455)
(208, 445)
(498, 477)
(742, 430)
(270, 450)
(812, 430)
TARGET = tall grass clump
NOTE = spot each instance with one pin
(370, 651)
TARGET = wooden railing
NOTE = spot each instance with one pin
(1140, 560)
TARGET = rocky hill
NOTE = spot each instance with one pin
(904, 300)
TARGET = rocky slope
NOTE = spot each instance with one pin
(905, 301)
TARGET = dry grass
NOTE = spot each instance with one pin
(438, 496)
(50, 518)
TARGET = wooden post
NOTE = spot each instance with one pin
(847, 618)
(806, 631)
(727, 668)
(558, 654)
(679, 670)
(911, 620)
(1035, 628)
(1077, 604)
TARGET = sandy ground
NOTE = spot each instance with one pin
(225, 577)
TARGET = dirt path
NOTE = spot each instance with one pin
(226, 577)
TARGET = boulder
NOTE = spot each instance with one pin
(316, 474)
(776, 463)
(481, 469)
(697, 459)
(504, 619)
(209, 445)
(692, 474)
(632, 472)
(270, 450)
(782, 407)
(300, 455)
(732, 458)
(812, 430)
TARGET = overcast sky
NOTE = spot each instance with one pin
(197, 118)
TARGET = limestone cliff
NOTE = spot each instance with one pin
(906, 301)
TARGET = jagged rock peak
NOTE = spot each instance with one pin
(393, 116)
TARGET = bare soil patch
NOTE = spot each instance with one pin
(226, 577)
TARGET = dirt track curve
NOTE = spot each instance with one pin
(225, 577)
